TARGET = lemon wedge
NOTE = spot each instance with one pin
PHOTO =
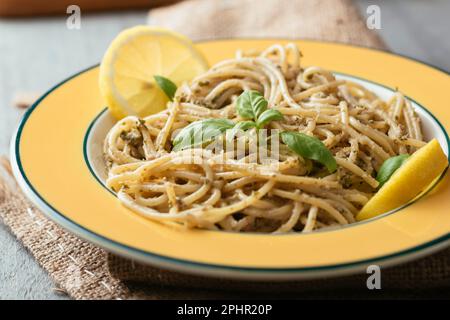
(422, 168)
(132, 60)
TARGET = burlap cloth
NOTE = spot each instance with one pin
(85, 271)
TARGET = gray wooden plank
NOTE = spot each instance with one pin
(415, 28)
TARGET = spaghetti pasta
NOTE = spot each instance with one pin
(194, 189)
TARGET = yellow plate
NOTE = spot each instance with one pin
(54, 169)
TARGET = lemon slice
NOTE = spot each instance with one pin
(422, 168)
(134, 57)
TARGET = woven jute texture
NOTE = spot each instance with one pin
(329, 20)
(85, 271)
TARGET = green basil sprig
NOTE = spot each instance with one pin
(199, 132)
(167, 86)
(240, 126)
(309, 148)
(267, 116)
(389, 166)
(252, 106)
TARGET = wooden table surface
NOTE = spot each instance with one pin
(37, 53)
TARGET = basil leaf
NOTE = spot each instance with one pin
(167, 86)
(267, 116)
(240, 126)
(199, 132)
(309, 148)
(389, 166)
(251, 104)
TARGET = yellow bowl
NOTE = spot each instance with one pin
(56, 156)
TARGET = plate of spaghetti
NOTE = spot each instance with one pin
(277, 159)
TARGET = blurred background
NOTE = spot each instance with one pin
(39, 49)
